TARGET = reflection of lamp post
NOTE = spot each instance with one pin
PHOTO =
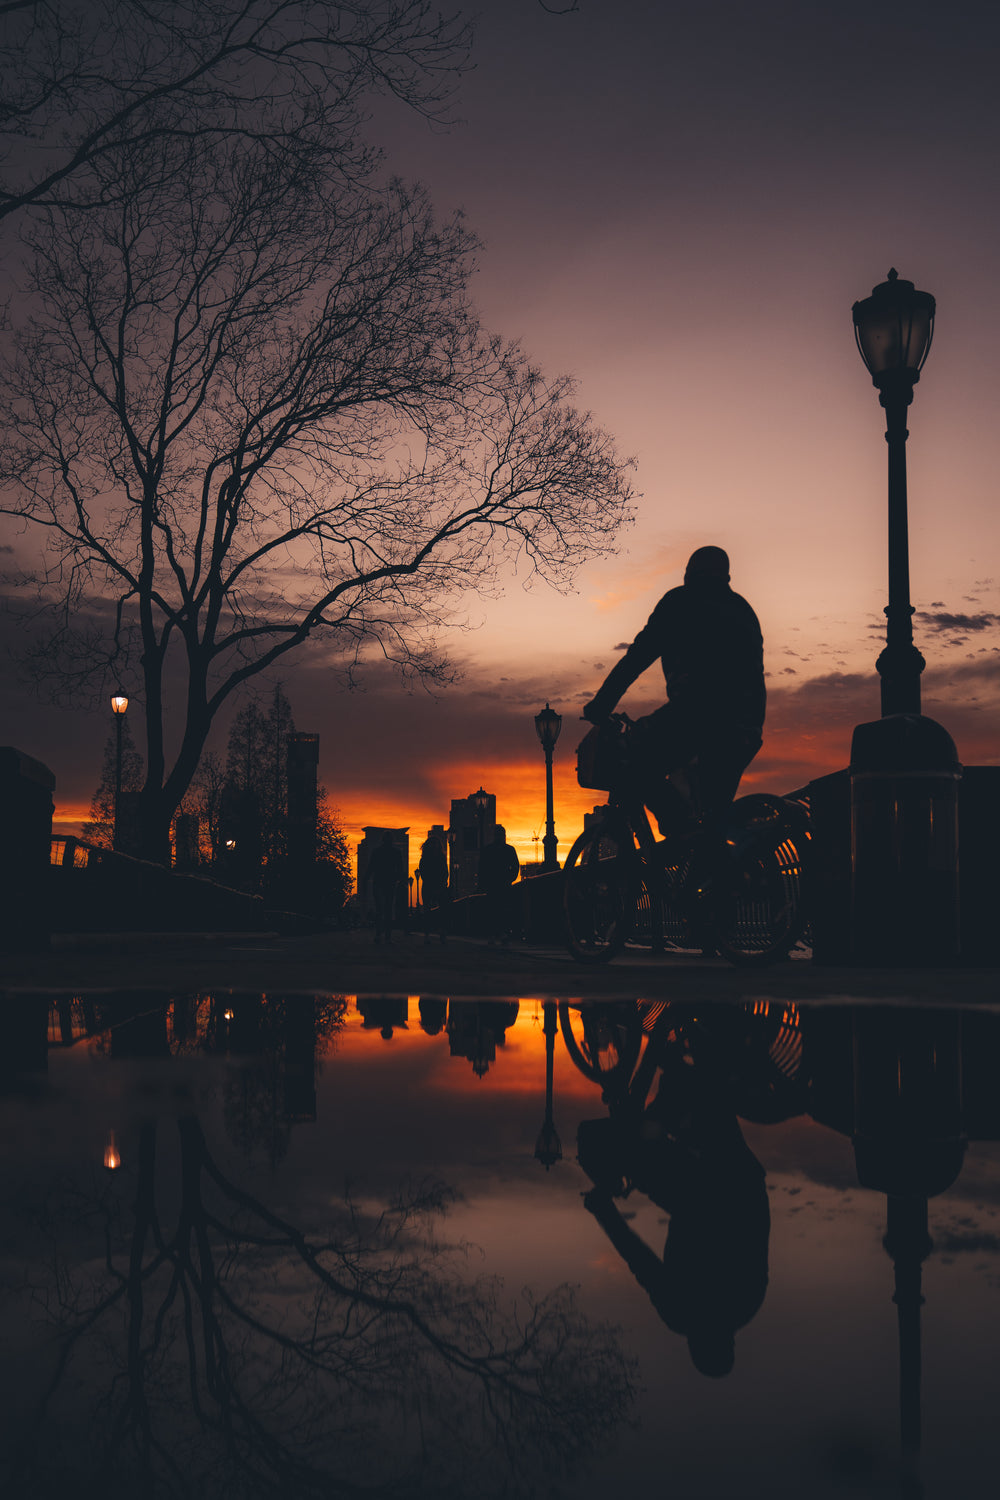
(894, 327)
(112, 1156)
(119, 703)
(547, 726)
(908, 1144)
(548, 1147)
(409, 897)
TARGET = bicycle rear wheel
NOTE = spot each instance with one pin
(598, 894)
(762, 915)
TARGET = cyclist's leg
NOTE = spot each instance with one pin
(664, 742)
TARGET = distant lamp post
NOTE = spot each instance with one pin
(479, 800)
(894, 328)
(547, 726)
(548, 1147)
(119, 703)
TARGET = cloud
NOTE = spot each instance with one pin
(660, 569)
(943, 619)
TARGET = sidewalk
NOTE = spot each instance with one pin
(351, 963)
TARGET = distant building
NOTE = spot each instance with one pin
(466, 835)
(371, 841)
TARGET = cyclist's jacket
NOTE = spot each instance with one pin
(710, 646)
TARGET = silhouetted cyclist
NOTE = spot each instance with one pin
(709, 644)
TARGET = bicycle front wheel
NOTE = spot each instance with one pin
(598, 894)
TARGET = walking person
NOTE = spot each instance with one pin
(499, 867)
(387, 874)
(433, 872)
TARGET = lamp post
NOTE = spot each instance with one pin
(547, 726)
(119, 703)
(894, 328)
(904, 767)
(479, 800)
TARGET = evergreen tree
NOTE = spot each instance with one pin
(333, 857)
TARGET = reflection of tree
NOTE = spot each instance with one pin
(279, 1361)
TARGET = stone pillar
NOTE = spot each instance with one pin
(26, 808)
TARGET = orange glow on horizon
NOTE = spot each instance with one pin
(518, 1068)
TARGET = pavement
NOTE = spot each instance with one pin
(351, 963)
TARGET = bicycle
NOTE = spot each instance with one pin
(731, 885)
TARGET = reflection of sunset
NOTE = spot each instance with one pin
(519, 1066)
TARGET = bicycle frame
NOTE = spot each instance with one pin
(731, 884)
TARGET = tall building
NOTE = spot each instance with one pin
(468, 831)
(366, 848)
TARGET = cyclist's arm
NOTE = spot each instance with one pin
(642, 653)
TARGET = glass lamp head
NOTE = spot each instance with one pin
(119, 703)
(894, 328)
(547, 726)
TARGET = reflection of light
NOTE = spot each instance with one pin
(230, 843)
(112, 1156)
(227, 1015)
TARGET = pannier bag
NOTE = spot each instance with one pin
(600, 756)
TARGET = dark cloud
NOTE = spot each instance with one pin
(942, 619)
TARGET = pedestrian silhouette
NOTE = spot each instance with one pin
(709, 644)
(499, 867)
(433, 872)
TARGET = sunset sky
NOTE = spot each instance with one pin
(679, 204)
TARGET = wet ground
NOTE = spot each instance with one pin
(352, 963)
(274, 1236)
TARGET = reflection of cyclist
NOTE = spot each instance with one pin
(712, 1277)
(710, 647)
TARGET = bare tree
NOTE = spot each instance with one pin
(78, 83)
(253, 405)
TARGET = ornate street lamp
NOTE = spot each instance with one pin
(547, 726)
(119, 703)
(894, 328)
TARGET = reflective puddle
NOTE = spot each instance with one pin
(260, 1245)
